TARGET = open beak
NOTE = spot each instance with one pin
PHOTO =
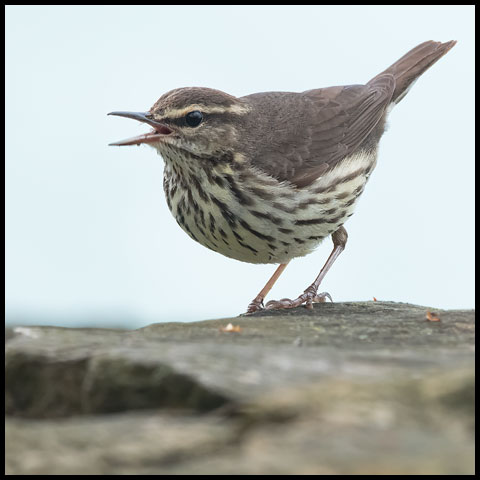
(159, 131)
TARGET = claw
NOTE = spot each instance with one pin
(322, 297)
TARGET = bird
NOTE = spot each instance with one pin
(266, 177)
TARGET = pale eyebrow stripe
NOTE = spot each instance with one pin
(181, 112)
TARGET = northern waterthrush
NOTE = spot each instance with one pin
(266, 177)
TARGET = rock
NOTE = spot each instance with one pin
(345, 388)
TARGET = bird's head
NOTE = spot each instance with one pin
(201, 121)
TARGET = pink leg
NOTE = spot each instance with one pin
(257, 303)
(310, 295)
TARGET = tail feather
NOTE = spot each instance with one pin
(413, 64)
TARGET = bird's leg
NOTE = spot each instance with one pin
(310, 295)
(257, 303)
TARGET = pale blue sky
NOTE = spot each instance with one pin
(88, 232)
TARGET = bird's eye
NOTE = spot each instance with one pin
(194, 118)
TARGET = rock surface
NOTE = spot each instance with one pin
(345, 388)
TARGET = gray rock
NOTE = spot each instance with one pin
(375, 388)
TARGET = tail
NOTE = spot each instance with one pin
(412, 65)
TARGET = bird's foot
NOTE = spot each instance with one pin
(255, 305)
(307, 298)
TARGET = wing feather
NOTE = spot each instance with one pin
(312, 131)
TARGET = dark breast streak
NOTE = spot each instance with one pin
(250, 216)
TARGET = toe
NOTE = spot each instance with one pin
(279, 304)
(322, 297)
(255, 307)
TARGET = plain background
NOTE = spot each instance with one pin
(89, 238)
